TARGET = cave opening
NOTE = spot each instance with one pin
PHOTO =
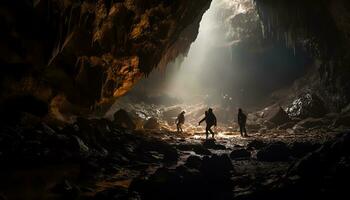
(230, 65)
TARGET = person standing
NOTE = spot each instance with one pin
(242, 119)
(180, 120)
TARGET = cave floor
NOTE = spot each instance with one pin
(249, 172)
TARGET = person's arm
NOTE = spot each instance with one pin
(202, 120)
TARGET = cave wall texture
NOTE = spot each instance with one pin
(59, 53)
(86, 52)
(322, 28)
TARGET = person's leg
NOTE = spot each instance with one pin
(207, 132)
(212, 133)
(177, 126)
(241, 129)
(245, 131)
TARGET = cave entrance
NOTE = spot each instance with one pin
(230, 65)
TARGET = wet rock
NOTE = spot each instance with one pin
(307, 105)
(123, 119)
(240, 154)
(276, 115)
(277, 151)
(194, 162)
(211, 144)
(152, 124)
(256, 144)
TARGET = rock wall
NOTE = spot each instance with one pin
(90, 51)
(320, 27)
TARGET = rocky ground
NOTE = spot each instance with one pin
(294, 152)
(98, 159)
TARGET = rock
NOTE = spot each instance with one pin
(299, 149)
(276, 115)
(210, 144)
(307, 105)
(217, 167)
(263, 130)
(80, 145)
(307, 167)
(116, 193)
(286, 126)
(277, 151)
(312, 123)
(253, 127)
(66, 189)
(169, 152)
(171, 113)
(194, 162)
(197, 148)
(152, 124)
(256, 144)
(163, 184)
(123, 119)
(240, 154)
(342, 120)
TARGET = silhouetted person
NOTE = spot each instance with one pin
(242, 119)
(210, 120)
(179, 121)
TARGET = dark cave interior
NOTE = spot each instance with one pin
(91, 92)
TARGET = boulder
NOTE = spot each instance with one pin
(240, 154)
(312, 123)
(276, 115)
(277, 151)
(256, 144)
(217, 167)
(194, 162)
(123, 119)
(299, 149)
(163, 184)
(152, 124)
(307, 105)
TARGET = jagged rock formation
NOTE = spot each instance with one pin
(320, 27)
(87, 52)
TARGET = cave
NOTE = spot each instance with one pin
(174, 99)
